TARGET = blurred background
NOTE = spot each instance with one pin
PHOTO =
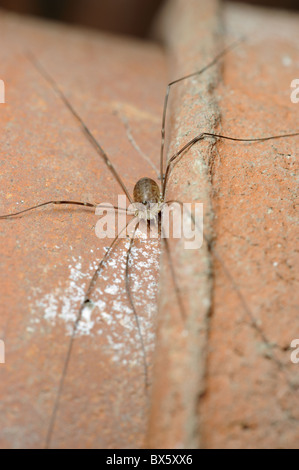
(131, 17)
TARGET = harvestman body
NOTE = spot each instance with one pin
(147, 193)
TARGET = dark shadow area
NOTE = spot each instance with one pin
(131, 17)
(286, 5)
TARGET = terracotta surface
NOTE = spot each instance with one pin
(247, 387)
(250, 400)
(48, 256)
(217, 380)
(182, 344)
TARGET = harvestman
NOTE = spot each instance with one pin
(147, 193)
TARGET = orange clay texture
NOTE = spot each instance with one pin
(222, 376)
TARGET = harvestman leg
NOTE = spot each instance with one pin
(85, 204)
(109, 164)
(178, 155)
(86, 301)
(130, 297)
(199, 72)
(174, 280)
(79, 316)
(170, 165)
(111, 167)
(164, 178)
(134, 144)
(129, 293)
(242, 300)
(84, 128)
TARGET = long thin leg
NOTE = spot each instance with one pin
(175, 158)
(85, 129)
(134, 143)
(242, 300)
(68, 355)
(174, 280)
(85, 204)
(130, 297)
(213, 62)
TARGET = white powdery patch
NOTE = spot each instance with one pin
(109, 314)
